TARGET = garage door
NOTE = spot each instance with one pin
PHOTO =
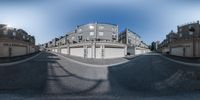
(113, 52)
(178, 51)
(77, 52)
(64, 51)
(56, 50)
(18, 51)
(137, 52)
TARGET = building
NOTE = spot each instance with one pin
(133, 41)
(154, 46)
(15, 42)
(100, 41)
(93, 40)
(185, 42)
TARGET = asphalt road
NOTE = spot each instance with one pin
(49, 76)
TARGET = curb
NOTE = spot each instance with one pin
(180, 62)
(21, 61)
(90, 65)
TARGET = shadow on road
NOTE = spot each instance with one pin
(43, 76)
(28, 78)
(145, 74)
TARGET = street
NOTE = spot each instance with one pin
(144, 77)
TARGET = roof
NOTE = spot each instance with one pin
(134, 33)
(2, 25)
(189, 23)
(97, 23)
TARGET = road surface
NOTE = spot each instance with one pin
(49, 76)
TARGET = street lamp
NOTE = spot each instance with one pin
(191, 32)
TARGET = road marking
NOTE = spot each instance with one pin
(21, 61)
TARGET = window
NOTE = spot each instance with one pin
(180, 35)
(80, 37)
(24, 37)
(101, 27)
(91, 33)
(72, 38)
(5, 32)
(180, 29)
(14, 33)
(91, 27)
(129, 41)
(100, 33)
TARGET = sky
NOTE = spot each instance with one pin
(47, 19)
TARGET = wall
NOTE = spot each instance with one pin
(165, 50)
(188, 51)
(4, 50)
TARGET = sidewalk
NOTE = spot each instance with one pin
(14, 59)
(98, 61)
(184, 59)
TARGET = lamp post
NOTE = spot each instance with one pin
(191, 32)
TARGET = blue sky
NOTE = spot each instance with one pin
(47, 19)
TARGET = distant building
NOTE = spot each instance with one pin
(130, 38)
(134, 44)
(186, 42)
(154, 46)
(15, 42)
